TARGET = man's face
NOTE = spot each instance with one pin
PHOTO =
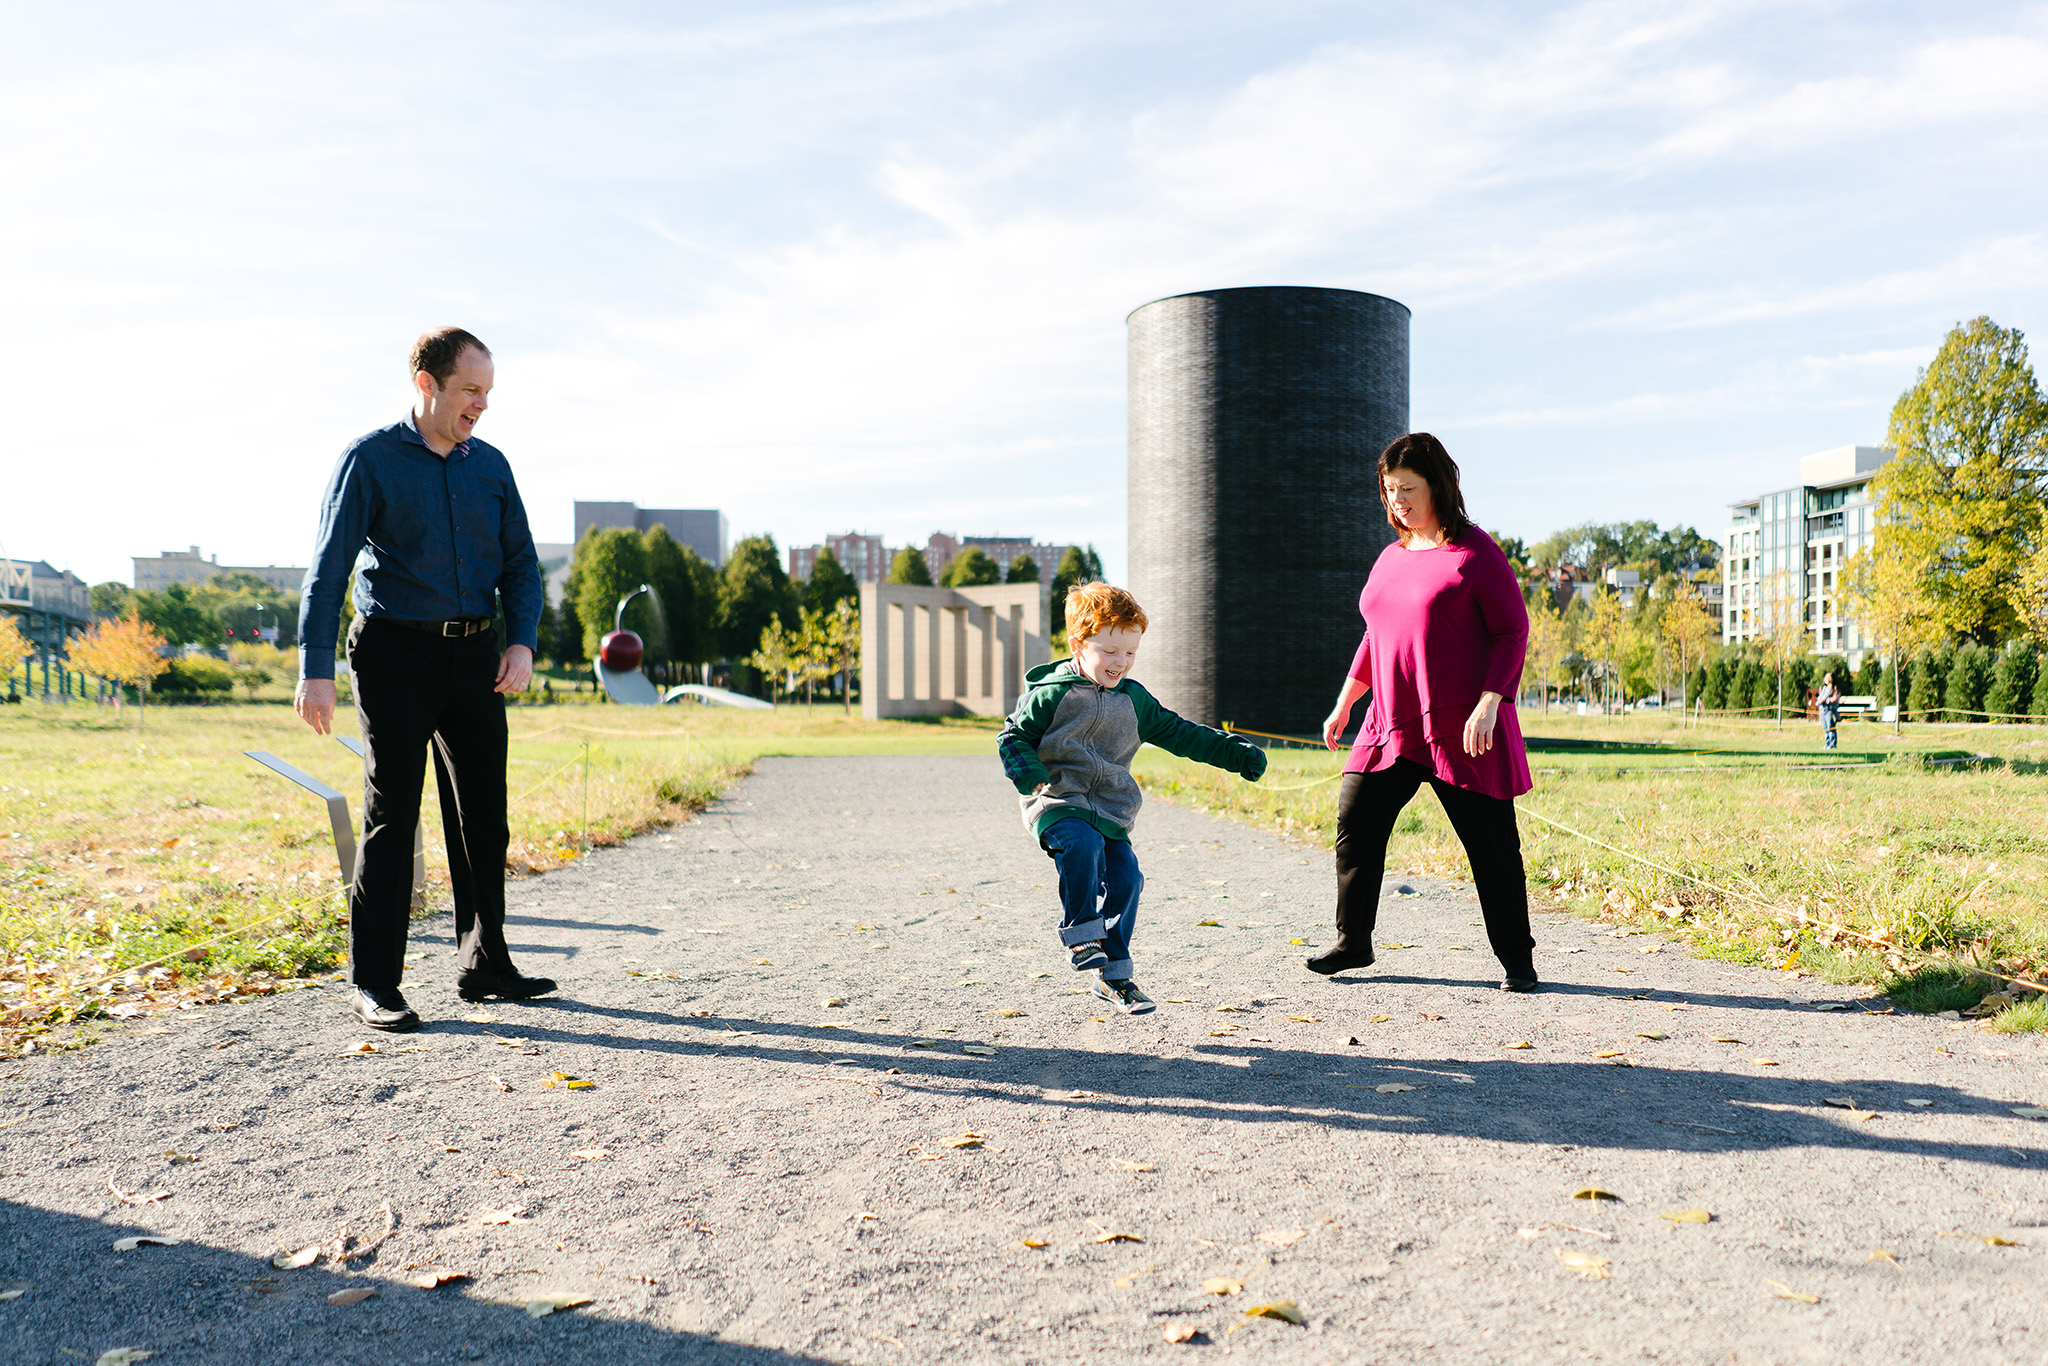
(449, 413)
(1107, 656)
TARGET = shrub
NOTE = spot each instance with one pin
(196, 677)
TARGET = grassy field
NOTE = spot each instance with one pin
(146, 865)
(1941, 861)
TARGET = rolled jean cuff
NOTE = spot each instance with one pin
(1091, 933)
(1117, 970)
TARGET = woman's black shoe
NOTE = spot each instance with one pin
(1340, 960)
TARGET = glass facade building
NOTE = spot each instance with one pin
(1782, 558)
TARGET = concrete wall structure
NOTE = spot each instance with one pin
(950, 651)
(1256, 421)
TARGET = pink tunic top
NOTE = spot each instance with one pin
(1441, 627)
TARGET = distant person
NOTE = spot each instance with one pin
(1445, 631)
(1067, 749)
(429, 519)
(1829, 699)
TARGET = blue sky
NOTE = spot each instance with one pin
(866, 265)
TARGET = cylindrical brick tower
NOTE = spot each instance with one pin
(1257, 416)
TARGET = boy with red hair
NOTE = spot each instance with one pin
(1068, 749)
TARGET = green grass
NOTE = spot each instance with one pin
(1930, 990)
(1941, 863)
(126, 847)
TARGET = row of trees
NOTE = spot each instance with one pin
(1602, 650)
(228, 607)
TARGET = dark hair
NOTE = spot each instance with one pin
(439, 351)
(1425, 455)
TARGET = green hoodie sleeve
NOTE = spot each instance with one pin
(1017, 743)
(1177, 735)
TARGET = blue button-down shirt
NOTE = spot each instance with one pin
(429, 539)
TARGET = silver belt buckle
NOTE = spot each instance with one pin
(454, 628)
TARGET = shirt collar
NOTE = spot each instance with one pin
(411, 432)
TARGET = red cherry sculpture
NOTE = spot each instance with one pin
(621, 652)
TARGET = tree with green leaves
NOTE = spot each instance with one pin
(1023, 569)
(1079, 565)
(972, 568)
(1929, 672)
(779, 653)
(1962, 501)
(830, 584)
(1969, 676)
(909, 567)
(686, 610)
(111, 599)
(753, 589)
(609, 563)
(2012, 682)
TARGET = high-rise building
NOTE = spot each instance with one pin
(1782, 559)
(701, 529)
(942, 549)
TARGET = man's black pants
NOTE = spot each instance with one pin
(1368, 804)
(414, 690)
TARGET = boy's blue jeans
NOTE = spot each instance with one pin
(1099, 886)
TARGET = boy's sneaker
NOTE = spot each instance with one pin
(1124, 995)
(1088, 956)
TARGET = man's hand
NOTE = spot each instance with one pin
(515, 669)
(1479, 726)
(314, 702)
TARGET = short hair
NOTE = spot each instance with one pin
(1421, 453)
(1097, 607)
(438, 352)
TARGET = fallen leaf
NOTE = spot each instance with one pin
(1585, 1263)
(1379, 1019)
(1919, 1104)
(1460, 947)
(1297, 941)
(1283, 1237)
(1224, 1033)
(1306, 1019)
(1397, 946)
(591, 1154)
(1613, 1053)
(1724, 1038)
(1278, 1309)
(511, 1214)
(540, 1306)
(1519, 1043)
(922, 1043)
(1388, 1088)
(1222, 1285)
(1831, 1005)
(1883, 1254)
(1652, 1036)
(481, 1018)
(1993, 1240)
(1180, 1332)
(1785, 1292)
(1029, 1243)
(6, 1295)
(433, 1280)
(762, 963)
(292, 1261)
(1212, 924)
(446, 1149)
(832, 1002)
(979, 1050)
(355, 1294)
(1687, 1216)
(130, 1244)
(966, 1140)
(2030, 1112)
(1843, 1102)
(1765, 1062)
(124, 1356)
(1137, 1166)
(1427, 1016)
(1594, 1193)
(1107, 1236)
(364, 1047)
(1009, 1014)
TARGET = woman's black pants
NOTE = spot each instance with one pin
(1368, 804)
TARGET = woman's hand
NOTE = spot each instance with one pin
(1340, 715)
(1479, 726)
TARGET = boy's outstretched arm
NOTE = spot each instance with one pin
(1017, 742)
(1176, 734)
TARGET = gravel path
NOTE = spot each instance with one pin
(773, 1006)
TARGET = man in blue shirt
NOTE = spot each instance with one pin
(429, 520)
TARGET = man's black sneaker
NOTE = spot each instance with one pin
(1124, 995)
(383, 1008)
(1340, 960)
(1087, 956)
(1528, 983)
(475, 985)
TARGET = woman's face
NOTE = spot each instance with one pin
(1407, 495)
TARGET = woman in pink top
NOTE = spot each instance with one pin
(1445, 629)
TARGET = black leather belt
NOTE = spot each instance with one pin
(469, 626)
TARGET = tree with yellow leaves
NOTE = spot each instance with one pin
(1882, 586)
(14, 646)
(1606, 636)
(1546, 648)
(122, 650)
(1687, 630)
